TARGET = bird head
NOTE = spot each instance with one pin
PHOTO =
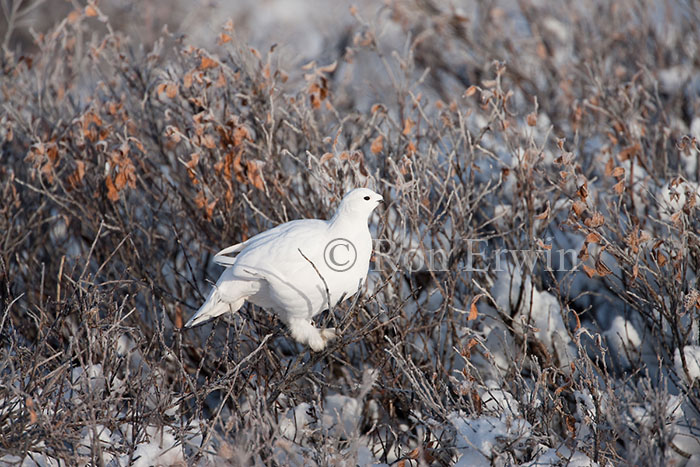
(360, 202)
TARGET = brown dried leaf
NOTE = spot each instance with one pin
(377, 144)
(90, 11)
(590, 272)
(619, 187)
(592, 238)
(33, 418)
(595, 221)
(602, 269)
(187, 80)
(223, 38)
(326, 157)
(582, 191)
(471, 90)
(408, 125)
(112, 192)
(473, 312)
(171, 90)
(532, 119)
(661, 259)
(178, 317)
(629, 152)
(120, 180)
(254, 175)
(578, 207)
(76, 177)
(583, 252)
(544, 214)
(207, 63)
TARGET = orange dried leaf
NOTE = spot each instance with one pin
(90, 11)
(630, 151)
(582, 191)
(590, 272)
(618, 172)
(254, 176)
(326, 157)
(33, 418)
(171, 90)
(112, 192)
(661, 259)
(619, 187)
(473, 312)
(408, 125)
(187, 80)
(595, 221)
(544, 214)
(471, 90)
(578, 207)
(411, 148)
(178, 317)
(223, 38)
(120, 181)
(592, 237)
(207, 63)
(532, 119)
(377, 144)
(601, 268)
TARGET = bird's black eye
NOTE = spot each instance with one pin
(366, 198)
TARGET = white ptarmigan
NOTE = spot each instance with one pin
(274, 269)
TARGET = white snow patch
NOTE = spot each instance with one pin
(623, 341)
(479, 440)
(692, 360)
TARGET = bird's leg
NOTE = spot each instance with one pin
(305, 333)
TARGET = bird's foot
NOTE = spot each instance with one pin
(328, 334)
(305, 333)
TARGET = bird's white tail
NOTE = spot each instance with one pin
(213, 307)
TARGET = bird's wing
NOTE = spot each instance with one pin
(276, 251)
(222, 257)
